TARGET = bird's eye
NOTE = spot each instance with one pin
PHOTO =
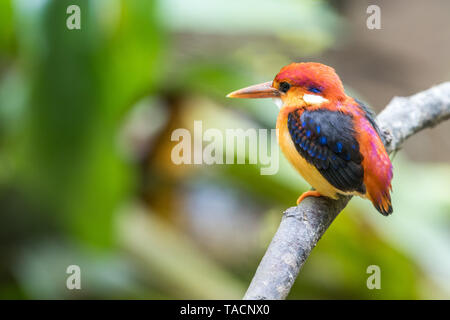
(314, 90)
(284, 87)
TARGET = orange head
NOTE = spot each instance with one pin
(299, 84)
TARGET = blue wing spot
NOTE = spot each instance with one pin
(347, 156)
(318, 129)
(339, 146)
(314, 90)
(308, 133)
(323, 140)
(354, 146)
(304, 124)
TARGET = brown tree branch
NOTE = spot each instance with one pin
(302, 226)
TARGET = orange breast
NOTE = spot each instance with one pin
(308, 171)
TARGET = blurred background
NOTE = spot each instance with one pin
(86, 118)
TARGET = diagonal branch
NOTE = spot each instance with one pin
(302, 226)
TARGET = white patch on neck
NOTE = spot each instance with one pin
(314, 99)
(278, 102)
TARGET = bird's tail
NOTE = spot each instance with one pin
(382, 202)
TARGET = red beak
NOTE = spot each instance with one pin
(262, 90)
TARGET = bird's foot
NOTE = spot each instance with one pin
(310, 193)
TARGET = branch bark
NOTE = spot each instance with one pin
(302, 226)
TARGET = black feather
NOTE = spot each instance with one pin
(326, 139)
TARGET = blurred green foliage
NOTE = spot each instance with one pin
(85, 123)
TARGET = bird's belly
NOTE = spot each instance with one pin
(308, 171)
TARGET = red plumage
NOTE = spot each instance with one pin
(329, 137)
(376, 163)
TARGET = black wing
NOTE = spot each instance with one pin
(326, 139)
(370, 116)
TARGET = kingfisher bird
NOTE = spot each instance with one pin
(330, 138)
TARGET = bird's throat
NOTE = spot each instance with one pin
(303, 101)
(278, 102)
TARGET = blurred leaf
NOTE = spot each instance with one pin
(6, 27)
(311, 23)
(82, 82)
(171, 258)
(41, 270)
